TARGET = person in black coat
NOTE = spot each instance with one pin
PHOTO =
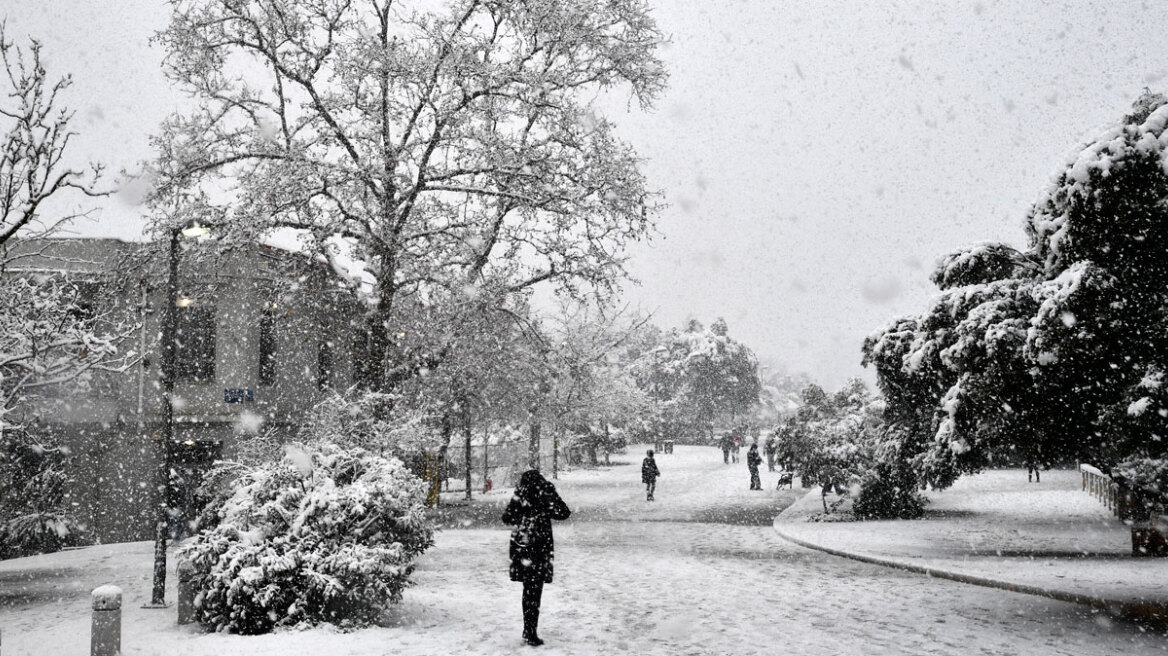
(531, 511)
(753, 460)
(649, 474)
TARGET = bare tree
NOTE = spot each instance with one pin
(50, 331)
(47, 337)
(448, 147)
(36, 136)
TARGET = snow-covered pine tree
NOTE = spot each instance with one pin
(1053, 353)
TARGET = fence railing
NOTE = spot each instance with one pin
(1142, 511)
(1116, 497)
(1127, 503)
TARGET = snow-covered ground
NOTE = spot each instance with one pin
(1051, 536)
(692, 573)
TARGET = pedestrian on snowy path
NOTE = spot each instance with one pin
(727, 443)
(753, 460)
(1033, 473)
(770, 448)
(531, 511)
(649, 474)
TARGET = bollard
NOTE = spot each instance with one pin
(186, 591)
(106, 638)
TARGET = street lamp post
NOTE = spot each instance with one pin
(162, 478)
(165, 457)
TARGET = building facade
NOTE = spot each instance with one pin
(261, 335)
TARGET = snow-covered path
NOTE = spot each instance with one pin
(692, 573)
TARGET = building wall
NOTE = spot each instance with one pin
(114, 426)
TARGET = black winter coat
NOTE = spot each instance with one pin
(753, 459)
(531, 511)
(649, 471)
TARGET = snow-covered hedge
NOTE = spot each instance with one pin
(323, 535)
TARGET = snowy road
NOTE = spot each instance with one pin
(684, 576)
(699, 572)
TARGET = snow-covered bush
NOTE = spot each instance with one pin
(889, 487)
(35, 511)
(323, 535)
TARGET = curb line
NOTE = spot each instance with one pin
(1143, 612)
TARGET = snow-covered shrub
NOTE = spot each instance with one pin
(888, 491)
(36, 514)
(323, 535)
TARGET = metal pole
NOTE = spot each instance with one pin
(162, 484)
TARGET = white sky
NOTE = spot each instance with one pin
(818, 156)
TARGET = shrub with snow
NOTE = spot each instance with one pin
(323, 535)
(36, 513)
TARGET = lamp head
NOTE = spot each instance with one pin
(195, 229)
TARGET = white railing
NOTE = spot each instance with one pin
(1112, 494)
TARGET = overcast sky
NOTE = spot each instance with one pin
(817, 157)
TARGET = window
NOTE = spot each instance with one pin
(267, 373)
(324, 365)
(195, 343)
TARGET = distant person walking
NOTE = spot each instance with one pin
(735, 447)
(727, 443)
(531, 511)
(649, 474)
(1033, 470)
(771, 448)
(753, 460)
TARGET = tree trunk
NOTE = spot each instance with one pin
(533, 441)
(379, 337)
(556, 455)
(466, 432)
(607, 445)
(486, 468)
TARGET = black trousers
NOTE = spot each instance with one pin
(532, 593)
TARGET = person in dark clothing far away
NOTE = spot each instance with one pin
(771, 447)
(727, 443)
(1033, 469)
(649, 474)
(753, 460)
(531, 511)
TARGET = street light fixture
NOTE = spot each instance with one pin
(195, 229)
